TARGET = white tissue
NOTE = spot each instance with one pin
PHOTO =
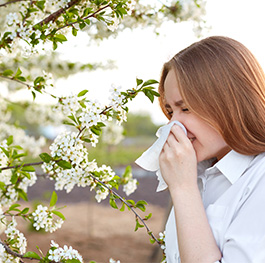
(149, 160)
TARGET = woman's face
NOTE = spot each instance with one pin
(206, 141)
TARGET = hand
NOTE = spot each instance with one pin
(178, 163)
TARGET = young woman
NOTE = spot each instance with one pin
(215, 174)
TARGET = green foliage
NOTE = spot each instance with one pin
(54, 198)
(45, 157)
(31, 254)
(140, 125)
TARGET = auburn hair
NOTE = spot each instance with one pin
(221, 81)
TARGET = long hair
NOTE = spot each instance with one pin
(221, 81)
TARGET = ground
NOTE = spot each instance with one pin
(100, 232)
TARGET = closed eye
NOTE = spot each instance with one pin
(168, 109)
(185, 109)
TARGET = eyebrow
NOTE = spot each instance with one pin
(177, 104)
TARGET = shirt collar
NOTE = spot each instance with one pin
(232, 165)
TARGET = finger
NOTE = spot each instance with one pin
(179, 134)
(172, 140)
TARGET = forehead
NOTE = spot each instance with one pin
(171, 90)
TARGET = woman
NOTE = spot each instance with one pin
(215, 174)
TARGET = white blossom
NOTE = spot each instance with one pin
(111, 260)
(162, 236)
(20, 242)
(43, 219)
(130, 187)
(12, 18)
(57, 253)
(114, 24)
(112, 134)
(29, 143)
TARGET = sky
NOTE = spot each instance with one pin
(141, 54)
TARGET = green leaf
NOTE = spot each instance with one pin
(139, 81)
(45, 157)
(28, 169)
(58, 214)
(149, 82)
(137, 225)
(64, 164)
(18, 73)
(141, 205)
(148, 217)
(40, 4)
(21, 78)
(24, 211)
(72, 261)
(5, 151)
(33, 94)
(148, 94)
(68, 123)
(9, 140)
(8, 72)
(2, 186)
(112, 201)
(74, 31)
(54, 45)
(38, 80)
(82, 25)
(96, 130)
(31, 254)
(82, 93)
(22, 194)
(122, 207)
(54, 199)
(14, 178)
(127, 173)
(14, 206)
(131, 202)
(60, 38)
(87, 11)
(17, 156)
(152, 241)
(100, 124)
(26, 174)
(84, 139)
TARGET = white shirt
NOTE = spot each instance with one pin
(233, 194)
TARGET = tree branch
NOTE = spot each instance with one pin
(128, 205)
(20, 165)
(84, 18)
(56, 14)
(19, 81)
(11, 252)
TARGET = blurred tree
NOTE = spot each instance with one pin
(139, 125)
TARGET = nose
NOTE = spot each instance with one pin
(176, 117)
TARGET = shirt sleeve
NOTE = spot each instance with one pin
(244, 239)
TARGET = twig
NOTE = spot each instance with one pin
(83, 18)
(29, 86)
(26, 16)
(11, 252)
(127, 204)
(20, 165)
(19, 81)
(56, 14)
